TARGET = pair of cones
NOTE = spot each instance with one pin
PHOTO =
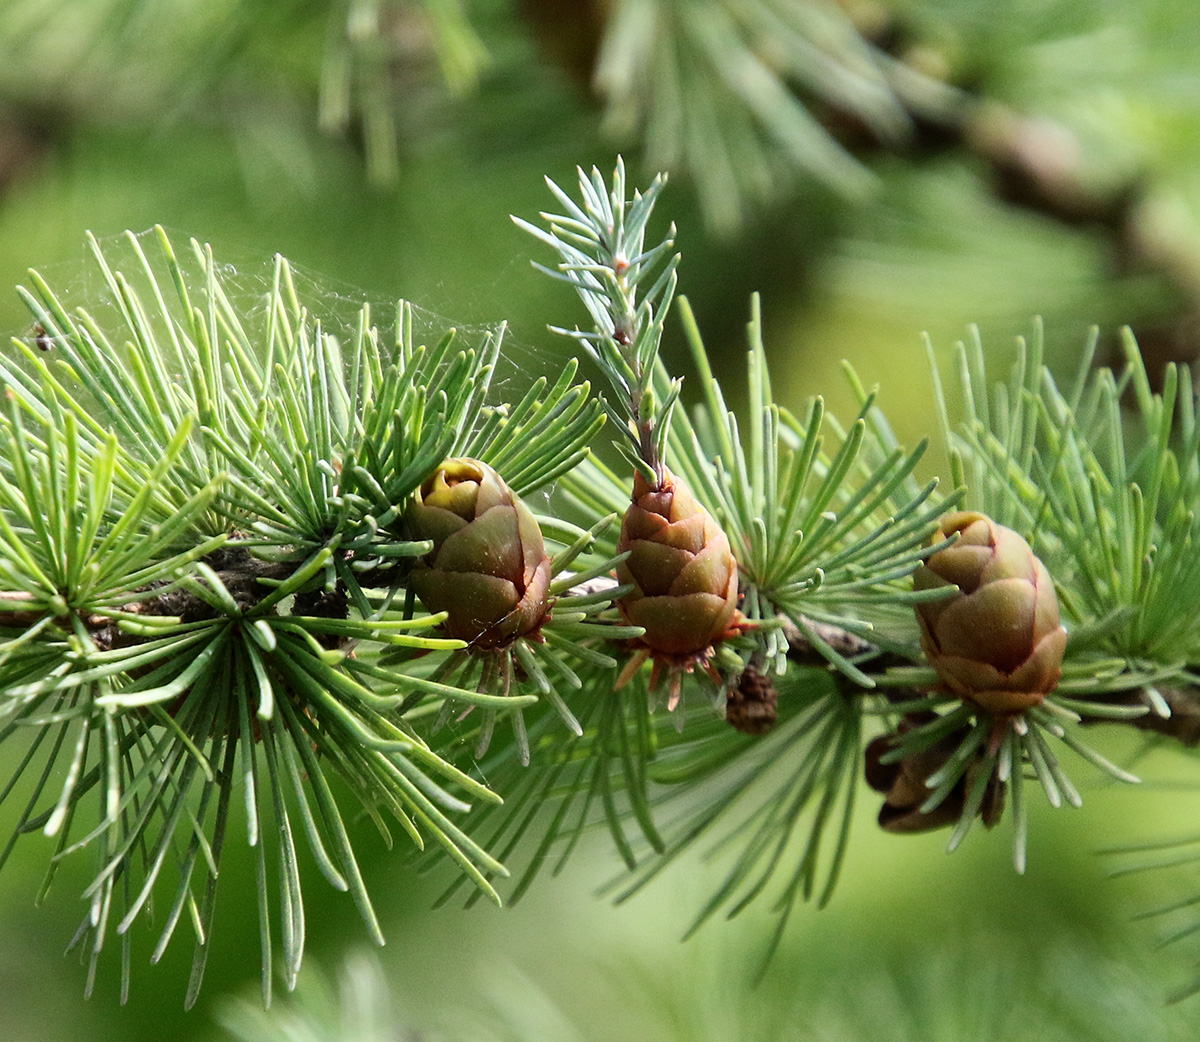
(488, 567)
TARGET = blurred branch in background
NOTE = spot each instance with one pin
(1082, 114)
(754, 100)
(1067, 989)
(379, 72)
(359, 1009)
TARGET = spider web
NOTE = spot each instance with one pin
(247, 279)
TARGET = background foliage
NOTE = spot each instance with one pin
(1055, 173)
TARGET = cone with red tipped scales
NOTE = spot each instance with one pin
(684, 578)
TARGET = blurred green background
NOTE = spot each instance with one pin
(1041, 158)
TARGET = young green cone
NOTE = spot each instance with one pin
(998, 643)
(683, 573)
(488, 567)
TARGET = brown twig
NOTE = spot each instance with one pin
(238, 571)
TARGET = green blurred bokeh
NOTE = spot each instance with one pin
(202, 117)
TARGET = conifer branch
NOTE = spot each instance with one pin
(234, 550)
(601, 240)
(204, 567)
